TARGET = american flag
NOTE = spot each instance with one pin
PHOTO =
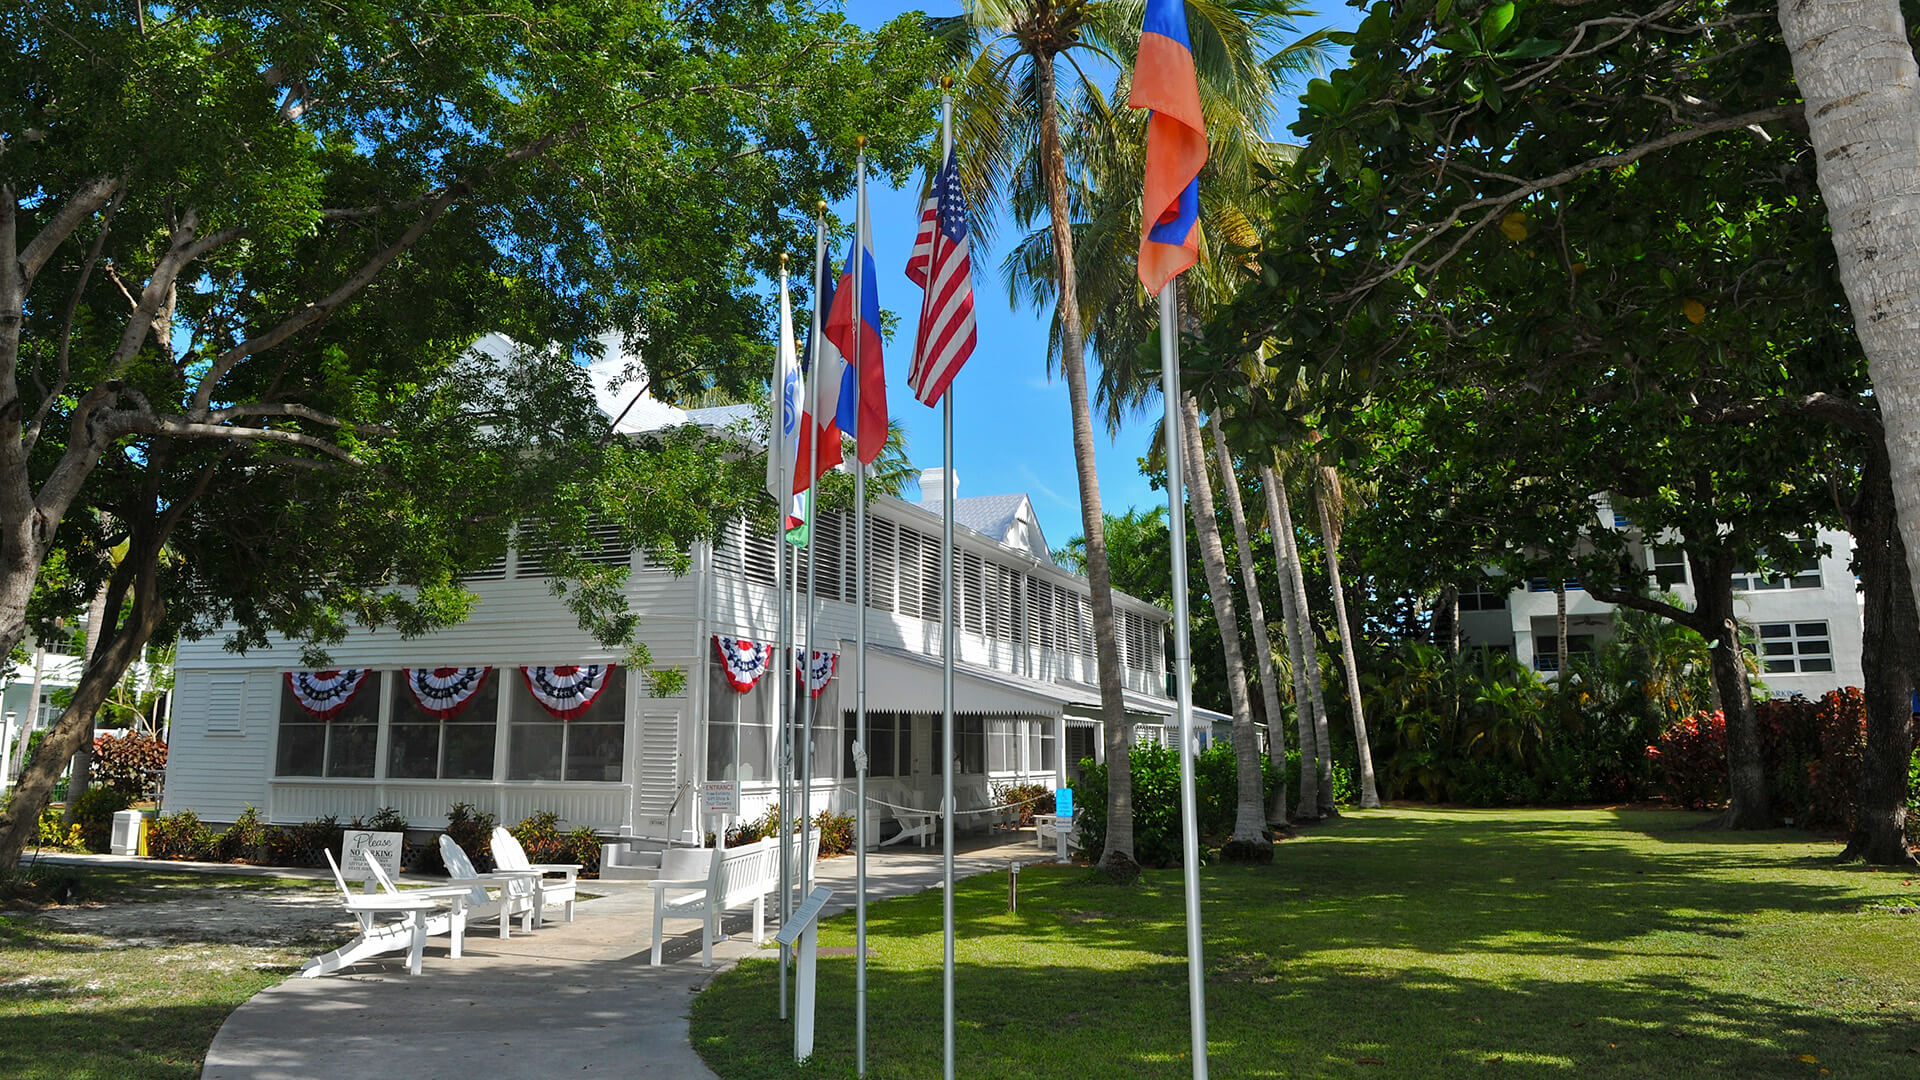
(942, 264)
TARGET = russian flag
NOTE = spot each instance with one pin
(863, 357)
(824, 369)
(1164, 81)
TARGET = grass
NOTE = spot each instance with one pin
(1398, 943)
(80, 1007)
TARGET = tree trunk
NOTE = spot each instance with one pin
(1890, 657)
(82, 771)
(1257, 613)
(1249, 815)
(1118, 858)
(1444, 625)
(1310, 652)
(1330, 536)
(20, 822)
(1309, 803)
(1714, 620)
(1855, 69)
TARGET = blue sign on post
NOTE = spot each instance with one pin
(1063, 802)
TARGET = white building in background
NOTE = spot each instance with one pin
(1027, 706)
(1806, 627)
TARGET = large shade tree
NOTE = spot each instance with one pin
(245, 249)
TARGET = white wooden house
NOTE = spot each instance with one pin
(1026, 700)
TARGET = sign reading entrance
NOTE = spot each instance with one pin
(720, 797)
(362, 845)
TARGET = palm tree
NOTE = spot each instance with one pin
(1249, 818)
(1330, 501)
(1009, 54)
(1256, 612)
(1316, 750)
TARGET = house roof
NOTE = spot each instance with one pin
(994, 516)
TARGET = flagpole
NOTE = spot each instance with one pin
(780, 638)
(1170, 428)
(946, 663)
(860, 636)
(813, 515)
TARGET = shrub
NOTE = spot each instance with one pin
(245, 839)
(385, 819)
(93, 812)
(539, 833)
(1026, 799)
(304, 844)
(836, 832)
(1692, 759)
(131, 763)
(472, 829)
(55, 833)
(180, 836)
(1156, 800)
(1913, 801)
(1833, 779)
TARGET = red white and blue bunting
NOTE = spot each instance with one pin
(444, 691)
(567, 691)
(819, 670)
(325, 693)
(742, 662)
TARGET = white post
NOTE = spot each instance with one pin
(1183, 676)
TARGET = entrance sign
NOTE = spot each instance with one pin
(803, 930)
(361, 846)
(720, 797)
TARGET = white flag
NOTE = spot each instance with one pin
(783, 451)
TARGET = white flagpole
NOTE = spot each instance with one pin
(812, 546)
(784, 477)
(1183, 673)
(860, 636)
(946, 656)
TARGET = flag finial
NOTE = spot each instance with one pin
(861, 142)
(783, 260)
(946, 82)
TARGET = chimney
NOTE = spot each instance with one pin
(931, 482)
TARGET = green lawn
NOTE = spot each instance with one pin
(82, 1007)
(1399, 943)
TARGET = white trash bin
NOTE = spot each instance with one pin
(126, 833)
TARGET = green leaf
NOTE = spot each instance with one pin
(1532, 49)
(1493, 25)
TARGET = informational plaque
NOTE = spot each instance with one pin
(803, 929)
(720, 797)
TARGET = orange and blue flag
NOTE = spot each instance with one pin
(1164, 81)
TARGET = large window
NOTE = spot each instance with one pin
(343, 744)
(740, 741)
(1546, 654)
(426, 747)
(591, 746)
(889, 744)
(1003, 745)
(1080, 740)
(1040, 745)
(1803, 572)
(1479, 597)
(1794, 648)
(972, 744)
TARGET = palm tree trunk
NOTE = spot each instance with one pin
(1297, 645)
(1257, 612)
(1322, 739)
(1118, 858)
(1249, 815)
(1330, 536)
(1854, 65)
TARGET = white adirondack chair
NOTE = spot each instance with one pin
(510, 857)
(422, 912)
(518, 890)
(738, 876)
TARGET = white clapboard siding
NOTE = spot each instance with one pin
(223, 731)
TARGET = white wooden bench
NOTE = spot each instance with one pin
(736, 877)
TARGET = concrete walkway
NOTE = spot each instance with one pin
(577, 999)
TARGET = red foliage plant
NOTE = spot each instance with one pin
(1692, 758)
(130, 764)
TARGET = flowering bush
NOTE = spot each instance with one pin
(1833, 779)
(1691, 757)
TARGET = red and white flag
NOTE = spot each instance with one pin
(942, 264)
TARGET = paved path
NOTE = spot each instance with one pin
(575, 999)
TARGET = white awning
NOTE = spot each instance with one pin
(903, 682)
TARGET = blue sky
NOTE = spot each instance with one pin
(1012, 426)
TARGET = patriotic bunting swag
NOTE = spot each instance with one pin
(444, 691)
(567, 691)
(743, 662)
(819, 671)
(325, 693)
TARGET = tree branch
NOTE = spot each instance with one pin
(1845, 412)
(84, 202)
(48, 397)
